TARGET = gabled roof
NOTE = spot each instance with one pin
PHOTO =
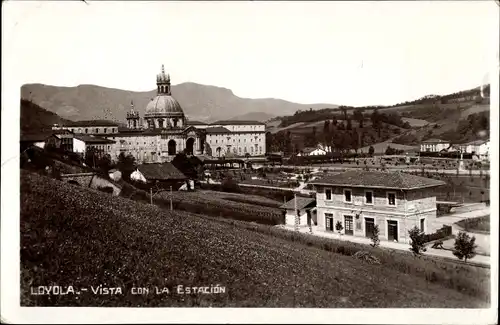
(157, 171)
(92, 123)
(217, 129)
(375, 179)
(302, 202)
(311, 149)
(91, 139)
(237, 122)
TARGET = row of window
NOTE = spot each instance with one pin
(234, 140)
(369, 223)
(99, 147)
(240, 150)
(368, 198)
(96, 130)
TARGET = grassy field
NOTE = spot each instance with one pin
(221, 204)
(81, 237)
(481, 224)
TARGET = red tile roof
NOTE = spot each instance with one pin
(376, 179)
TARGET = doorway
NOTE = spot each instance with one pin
(329, 221)
(172, 148)
(349, 225)
(369, 226)
(392, 230)
(189, 146)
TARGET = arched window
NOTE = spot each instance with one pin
(86, 131)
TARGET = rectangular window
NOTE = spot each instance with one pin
(105, 130)
(328, 194)
(368, 197)
(329, 222)
(348, 196)
(391, 198)
(422, 224)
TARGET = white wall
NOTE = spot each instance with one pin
(290, 218)
(137, 176)
(40, 144)
(317, 152)
(78, 146)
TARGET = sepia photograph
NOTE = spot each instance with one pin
(250, 161)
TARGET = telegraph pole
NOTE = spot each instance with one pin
(171, 207)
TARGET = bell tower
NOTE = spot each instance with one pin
(133, 118)
(163, 83)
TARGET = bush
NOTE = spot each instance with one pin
(465, 246)
(228, 184)
(367, 257)
(417, 241)
(375, 236)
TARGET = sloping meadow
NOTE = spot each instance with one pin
(71, 236)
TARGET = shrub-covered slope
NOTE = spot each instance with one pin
(81, 237)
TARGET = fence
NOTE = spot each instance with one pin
(444, 232)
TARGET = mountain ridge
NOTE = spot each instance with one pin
(200, 102)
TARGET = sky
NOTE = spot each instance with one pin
(347, 53)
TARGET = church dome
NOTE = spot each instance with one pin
(163, 105)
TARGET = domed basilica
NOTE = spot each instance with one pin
(164, 131)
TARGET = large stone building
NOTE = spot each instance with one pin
(359, 200)
(165, 131)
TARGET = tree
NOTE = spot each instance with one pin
(344, 111)
(371, 151)
(355, 139)
(228, 184)
(104, 163)
(339, 227)
(326, 131)
(465, 246)
(358, 116)
(375, 236)
(417, 241)
(182, 162)
(288, 143)
(91, 157)
(390, 151)
(126, 164)
(311, 140)
(349, 125)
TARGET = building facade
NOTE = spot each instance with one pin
(359, 200)
(165, 131)
(434, 145)
(479, 148)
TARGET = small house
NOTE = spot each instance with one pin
(162, 174)
(301, 210)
